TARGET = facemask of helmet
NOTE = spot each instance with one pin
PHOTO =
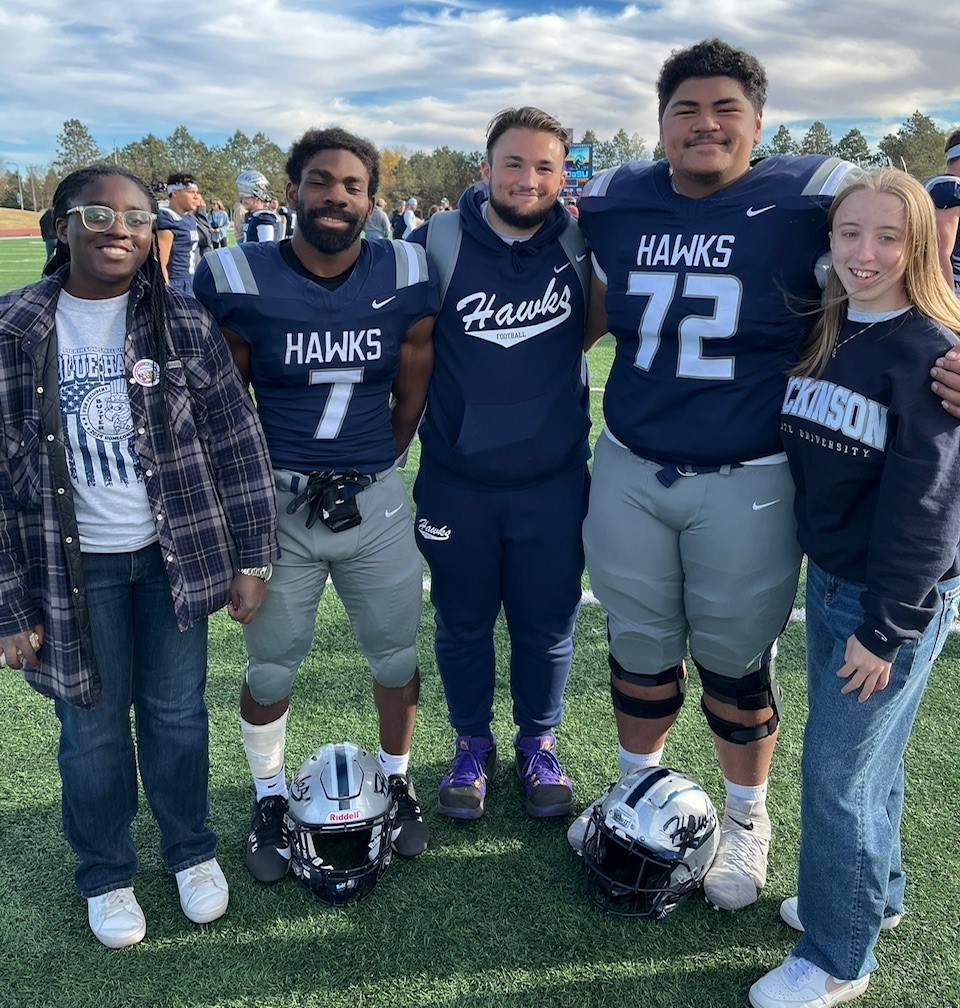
(339, 821)
(253, 183)
(649, 843)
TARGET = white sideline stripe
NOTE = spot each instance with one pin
(796, 615)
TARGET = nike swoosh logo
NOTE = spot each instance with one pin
(390, 514)
(831, 985)
(581, 257)
(560, 269)
(760, 507)
(743, 825)
(386, 301)
(754, 213)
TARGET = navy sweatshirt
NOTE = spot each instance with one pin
(876, 461)
(508, 401)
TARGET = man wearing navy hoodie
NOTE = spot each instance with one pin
(503, 481)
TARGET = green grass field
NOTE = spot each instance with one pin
(493, 914)
(21, 261)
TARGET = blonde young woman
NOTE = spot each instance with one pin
(876, 461)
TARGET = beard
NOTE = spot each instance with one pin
(327, 242)
(531, 218)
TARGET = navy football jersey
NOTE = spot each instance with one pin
(184, 253)
(945, 192)
(262, 226)
(706, 298)
(322, 363)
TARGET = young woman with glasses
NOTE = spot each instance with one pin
(136, 498)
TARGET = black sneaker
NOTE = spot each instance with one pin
(410, 833)
(268, 847)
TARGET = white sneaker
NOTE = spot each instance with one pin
(577, 832)
(204, 893)
(739, 871)
(116, 918)
(790, 917)
(797, 983)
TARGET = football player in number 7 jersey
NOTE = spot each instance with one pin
(328, 328)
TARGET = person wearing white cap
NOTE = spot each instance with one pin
(410, 219)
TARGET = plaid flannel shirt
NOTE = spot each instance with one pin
(206, 469)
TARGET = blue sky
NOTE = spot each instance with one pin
(425, 74)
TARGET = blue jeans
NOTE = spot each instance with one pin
(144, 660)
(850, 870)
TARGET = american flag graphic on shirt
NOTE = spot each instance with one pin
(95, 412)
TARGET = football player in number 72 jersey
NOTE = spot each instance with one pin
(703, 268)
(328, 328)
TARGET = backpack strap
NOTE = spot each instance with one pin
(443, 246)
(572, 240)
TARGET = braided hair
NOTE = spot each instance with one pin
(66, 194)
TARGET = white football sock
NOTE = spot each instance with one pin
(741, 794)
(393, 764)
(638, 761)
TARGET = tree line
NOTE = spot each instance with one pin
(917, 147)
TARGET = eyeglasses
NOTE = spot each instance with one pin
(101, 218)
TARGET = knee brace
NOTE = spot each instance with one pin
(752, 692)
(648, 709)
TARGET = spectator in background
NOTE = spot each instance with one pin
(377, 226)
(238, 214)
(48, 231)
(219, 222)
(273, 205)
(288, 216)
(410, 219)
(397, 224)
(204, 241)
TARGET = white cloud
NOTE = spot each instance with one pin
(434, 73)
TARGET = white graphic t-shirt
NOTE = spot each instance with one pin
(113, 513)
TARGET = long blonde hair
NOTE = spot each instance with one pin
(924, 283)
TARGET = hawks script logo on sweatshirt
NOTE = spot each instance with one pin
(514, 322)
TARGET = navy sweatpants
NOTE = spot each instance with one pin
(519, 549)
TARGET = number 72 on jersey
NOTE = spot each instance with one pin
(726, 293)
